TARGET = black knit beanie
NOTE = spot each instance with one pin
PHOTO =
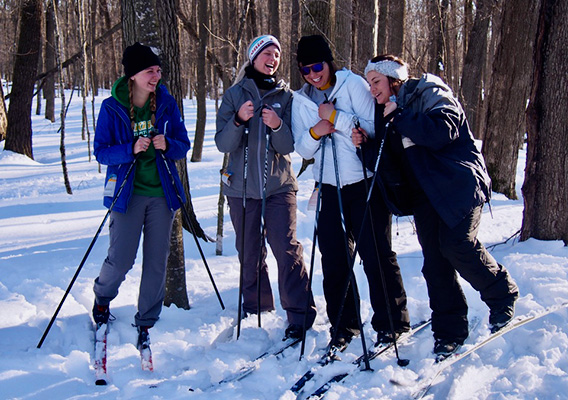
(137, 58)
(313, 49)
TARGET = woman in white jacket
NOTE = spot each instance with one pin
(328, 104)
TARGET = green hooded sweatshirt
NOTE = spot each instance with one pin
(146, 180)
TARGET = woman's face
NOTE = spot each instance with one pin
(268, 60)
(380, 87)
(317, 79)
(147, 79)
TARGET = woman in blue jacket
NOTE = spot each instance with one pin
(137, 122)
(430, 168)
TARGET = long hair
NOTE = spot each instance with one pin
(152, 104)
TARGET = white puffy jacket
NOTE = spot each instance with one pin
(353, 98)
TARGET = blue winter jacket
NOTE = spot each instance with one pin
(113, 146)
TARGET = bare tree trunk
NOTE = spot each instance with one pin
(344, 39)
(59, 49)
(49, 83)
(365, 34)
(295, 24)
(397, 13)
(545, 189)
(201, 82)
(383, 11)
(274, 17)
(318, 18)
(3, 116)
(504, 126)
(19, 131)
(470, 93)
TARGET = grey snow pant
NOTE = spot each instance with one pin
(152, 216)
(280, 228)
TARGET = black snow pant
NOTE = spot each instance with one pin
(447, 251)
(334, 258)
(280, 230)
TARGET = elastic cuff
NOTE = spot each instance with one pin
(313, 134)
(279, 126)
(332, 116)
(238, 120)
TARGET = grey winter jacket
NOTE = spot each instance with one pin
(230, 138)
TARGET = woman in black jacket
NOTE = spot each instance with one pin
(430, 168)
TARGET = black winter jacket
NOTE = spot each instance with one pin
(428, 143)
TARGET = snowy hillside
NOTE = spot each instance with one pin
(45, 232)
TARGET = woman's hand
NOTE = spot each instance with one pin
(323, 127)
(390, 106)
(270, 118)
(325, 110)
(246, 111)
(141, 144)
(358, 136)
(159, 142)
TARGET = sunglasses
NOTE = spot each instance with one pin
(318, 67)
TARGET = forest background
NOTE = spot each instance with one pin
(504, 59)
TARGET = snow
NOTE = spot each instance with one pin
(44, 234)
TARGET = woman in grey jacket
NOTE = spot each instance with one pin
(256, 108)
(326, 105)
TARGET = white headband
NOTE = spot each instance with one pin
(388, 68)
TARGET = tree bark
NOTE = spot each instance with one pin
(470, 93)
(19, 131)
(201, 81)
(504, 126)
(3, 116)
(49, 83)
(545, 189)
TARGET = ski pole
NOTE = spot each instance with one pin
(130, 168)
(243, 224)
(262, 214)
(314, 240)
(188, 222)
(400, 361)
(350, 263)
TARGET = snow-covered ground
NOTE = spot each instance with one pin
(45, 232)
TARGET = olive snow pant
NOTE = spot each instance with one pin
(331, 242)
(280, 229)
(447, 250)
(152, 216)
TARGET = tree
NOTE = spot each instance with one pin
(545, 189)
(504, 126)
(201, 81)
(3, 117)
(19, 131)
(470, 90)
(49, 82)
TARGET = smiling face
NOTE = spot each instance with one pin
(268, 60)
(318, 79)
(147, 79)
(380, 86)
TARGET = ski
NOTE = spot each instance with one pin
(100, 359)
(327, 358)
(372, 354)
(426, 383)
(254, 364)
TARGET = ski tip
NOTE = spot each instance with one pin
(101, 382)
